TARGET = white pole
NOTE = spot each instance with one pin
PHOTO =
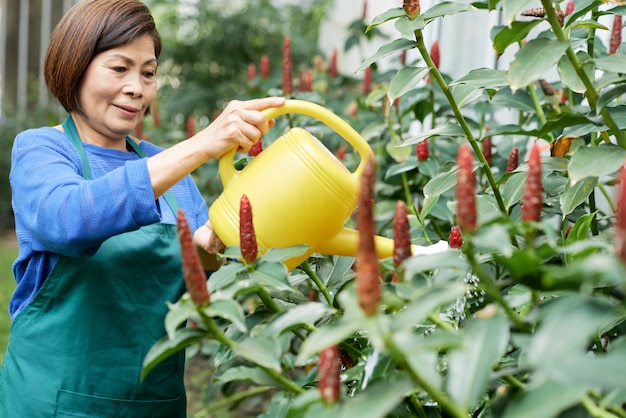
(3, 42)
(46, 16)
(22, 56)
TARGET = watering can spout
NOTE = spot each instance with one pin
(346, 243)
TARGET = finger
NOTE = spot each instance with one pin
(265, 103)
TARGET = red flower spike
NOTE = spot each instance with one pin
(333, 72)
(364, 14)
(341, 152)
(154, 110)
(191, 126)
(616, 34)
(411, 8)
(287, 70)
(620, 216)
(569, 8)
(455, 241)
(367, 81)
(265, 67)
(403, 58)
(532, 199)
(368, 284)
(465, 190)
(256, 149)
(401, 234)
(193, 273)
(422, 151)
(434, 53)
(513, 161)
(247, 236)
(329, 374)
(487, 151)
(251, 72)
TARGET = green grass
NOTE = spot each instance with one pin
(8, 252)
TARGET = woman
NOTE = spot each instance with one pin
(95, 218)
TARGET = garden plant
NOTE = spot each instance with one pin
(524, 177)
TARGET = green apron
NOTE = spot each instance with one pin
(77, 349)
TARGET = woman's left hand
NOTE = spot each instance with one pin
(205, 238)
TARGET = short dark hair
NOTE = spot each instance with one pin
(87, 29)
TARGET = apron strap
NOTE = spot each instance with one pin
(70, 129)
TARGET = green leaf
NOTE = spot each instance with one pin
(484, 78)
(575, 194)
(441, 183)
(325, 337)
(615, 63)
(307, 313)
(446, 8)
(508, 35)
(246, 374)
(406, 80)
(420, 263)
(404, 167)
(378, 400)
(390, 14)
(166, 347)
(177, 314)
(580, 229)
(512, 8)
(283, 254)
(484, 343)
(465, 94)
(565, 120)
(261, 350)
(449, 129)
(425, 301)
(397, 45)
(595, 161)
(407, 27)
(546, 400)
(534, 60)
(568, 74)
(225, 276)
(513, 189)
(228, 309)
(607, 96)
(567, 324)
(271, 275)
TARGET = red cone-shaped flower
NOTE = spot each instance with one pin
(402, 248)
(247, 236)
(487, 148)
(411, 8)
(287, 68)
(620, 217)
(193, 273)
(368, 284)
(513, 161)
(422, 150)
(616, 34)
(329, 374)
(465, 190)
(265, 67)
(455, 241)
(532, 199)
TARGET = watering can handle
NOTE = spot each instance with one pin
(226, 163)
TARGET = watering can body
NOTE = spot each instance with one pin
(300, 193)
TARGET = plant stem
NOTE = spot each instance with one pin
(419, 409)
(454, 410)
(318, 282)
(219, 335)
(421, 46)
(271, 303)
(434, 318)
(540, 114)
(491, 289)
(594, 410)
(590, 92)
(223, 403)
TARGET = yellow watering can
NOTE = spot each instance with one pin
(300, 193)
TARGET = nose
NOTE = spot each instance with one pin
(133, 86)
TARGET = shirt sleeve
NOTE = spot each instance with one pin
(66, 213)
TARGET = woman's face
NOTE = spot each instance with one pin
(117, 87)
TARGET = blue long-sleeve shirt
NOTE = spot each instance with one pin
(58, 212)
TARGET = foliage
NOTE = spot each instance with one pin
(207, 48)
(526, 318)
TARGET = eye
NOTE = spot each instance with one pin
(119, 69)
(149, 74)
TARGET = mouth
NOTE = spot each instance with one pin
(128, 110)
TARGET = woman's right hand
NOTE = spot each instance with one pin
(240, 125)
